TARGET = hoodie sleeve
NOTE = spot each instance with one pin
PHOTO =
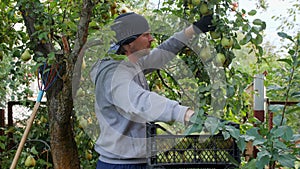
(131, 98)
(165, 52)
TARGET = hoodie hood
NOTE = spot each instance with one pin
(101, 65)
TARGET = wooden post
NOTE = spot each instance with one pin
(259, 101)
(271, 114)
(259, 97)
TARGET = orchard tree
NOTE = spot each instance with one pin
(56, 31)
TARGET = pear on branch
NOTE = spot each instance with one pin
(26, 56)
(30, 161)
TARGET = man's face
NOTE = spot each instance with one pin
(141, 46)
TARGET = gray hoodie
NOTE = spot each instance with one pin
(124, 103)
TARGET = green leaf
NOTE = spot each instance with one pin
(43, 36)
(276, 132)
(211, 124)
(232, 160)
(285, 132)
(279, 144)
(226, 135)
(198, 117)
(255, 29)
(234, 132)
(246, 39)
(293, 110)
(241, 143)
(259, 141)
(260, 50)
(295, 94)
(288, 133)
(230, 91)
(2, 146)
(288, 61)
(277, 120)
(263, 153)
(237, 45)
(250, 165)
(247, 137)
(246, 27)
(296, 137)
(282, 34)
(257, 22)
(254, 132)
(262, 161)
(276, 108)
(195, 128)
(258, 39)
(287, 160)
(285, 36)
(34, 151)
(252, 12)
(291, 52)
(263, 25)
(243, 11)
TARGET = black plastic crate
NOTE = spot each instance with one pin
(190, 151)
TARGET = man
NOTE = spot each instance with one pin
(123, 101)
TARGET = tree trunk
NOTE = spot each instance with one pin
(63, 146)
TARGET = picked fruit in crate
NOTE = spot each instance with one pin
(198, 148)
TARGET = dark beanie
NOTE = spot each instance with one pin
(128, 27)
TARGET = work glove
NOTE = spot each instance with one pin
(204, 24)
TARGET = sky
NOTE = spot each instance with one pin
(275, 8)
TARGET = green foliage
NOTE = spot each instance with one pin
(286, 80)
(228, 24)
(15, 75)
(38, 144)
(277, 145)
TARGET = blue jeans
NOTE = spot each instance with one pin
(103, 165)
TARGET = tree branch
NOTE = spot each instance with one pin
(82, 31)
(29, 20)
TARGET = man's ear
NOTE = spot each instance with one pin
(126, 48)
